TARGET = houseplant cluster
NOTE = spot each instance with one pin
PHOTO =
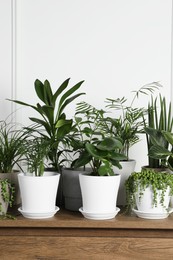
(78, 163)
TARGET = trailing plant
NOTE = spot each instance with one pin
(7, 195)
(139, 181)
(159, 119)
(90, 140)
(11, 147)
(128, 121)
(52, 125)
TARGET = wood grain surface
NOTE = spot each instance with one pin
(69, 235)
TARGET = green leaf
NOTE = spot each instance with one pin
(60, 90)
(168, 136)
(63, 122)
(98, 154)
(158, 152)
(109, 144)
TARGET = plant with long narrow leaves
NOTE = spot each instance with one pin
(11, 147)
(159, 119)
(52, 123)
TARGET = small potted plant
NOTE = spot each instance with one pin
(148, 193)
(86, 125)
(127, 123)
(38, 188)
(99, 188)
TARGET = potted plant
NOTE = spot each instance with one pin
(38, 188)
(11, 154)
(159, 119)
(52, 124)
(87, 123)
(127, 123)
(148, 193)
(99, 188)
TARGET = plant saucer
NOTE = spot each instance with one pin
(153, 215)
(99, 216)
(38, 215)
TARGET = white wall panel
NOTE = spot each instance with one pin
(116, 46)
(5, 58)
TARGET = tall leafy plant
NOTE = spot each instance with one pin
(52, 123)
(128, 121)
(159, 121)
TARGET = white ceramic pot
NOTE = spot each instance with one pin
(99, 193)
(127, 168)
(38, 194)
(145, 203)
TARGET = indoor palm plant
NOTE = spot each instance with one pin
(38, 188)
(148, 193)
(127, 122)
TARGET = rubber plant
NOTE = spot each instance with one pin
(52, 123)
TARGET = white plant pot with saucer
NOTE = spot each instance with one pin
(99, 196)
(38, 195)
(127, 168)
(144, 203)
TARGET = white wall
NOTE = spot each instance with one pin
(116, 46)
(5, 58)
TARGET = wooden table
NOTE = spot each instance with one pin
(69, 235)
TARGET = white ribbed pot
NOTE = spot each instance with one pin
(38, 194)
(99, 193)
(145, 203)
(127, 168)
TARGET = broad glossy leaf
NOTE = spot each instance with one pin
(69, 93)
(68, 101)
(168, 136)
(159, 152)
(60, 90)
(156, 136)
(109, 144)
(48, 93)
(63, 122)
(83, 159)
(92, 150)
(42, 123)
(40, 90)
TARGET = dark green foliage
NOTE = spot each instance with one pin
(52, 124)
